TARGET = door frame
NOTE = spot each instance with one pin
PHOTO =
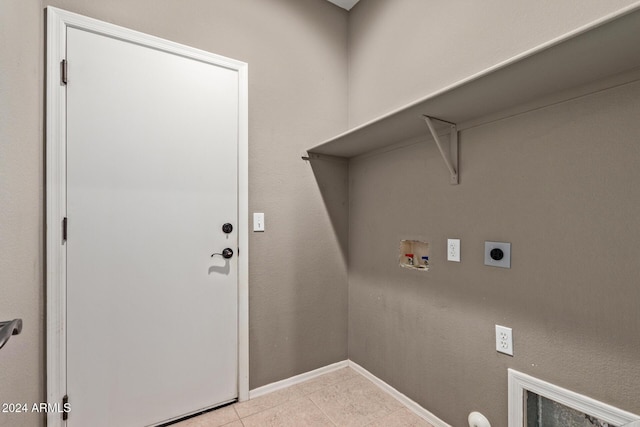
(58, 21)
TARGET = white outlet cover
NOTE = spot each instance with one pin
(258, 221)
(504, 340)
(453, 250)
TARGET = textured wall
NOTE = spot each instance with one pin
(401, 50)
(21, 206)
(297, 55)
(548, 174)
(559, 183)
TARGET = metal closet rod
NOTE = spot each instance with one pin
(9, 328)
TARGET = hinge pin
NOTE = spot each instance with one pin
(65, 403)
(63, 71)
(64, 229)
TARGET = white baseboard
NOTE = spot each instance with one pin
(288, 382)
(413, 406)
(410, 404)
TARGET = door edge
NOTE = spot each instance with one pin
(57, 22)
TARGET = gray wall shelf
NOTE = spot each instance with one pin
(601, 49)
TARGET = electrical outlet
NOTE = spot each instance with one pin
(497, 254)
(453, 250)
(504, 340)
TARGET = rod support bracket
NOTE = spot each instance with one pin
(307, 156)
(449, 156)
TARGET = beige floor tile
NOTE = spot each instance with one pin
(217, 418)
(400, 418)
(355, 402)
(339, 398)
(268, 401)
(325, 380)
(294, 413)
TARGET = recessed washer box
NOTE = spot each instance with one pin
(414, 254)
(497, 254)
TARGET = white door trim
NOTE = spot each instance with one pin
(57, 23)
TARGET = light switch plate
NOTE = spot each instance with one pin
(505, 261)
(258, 221)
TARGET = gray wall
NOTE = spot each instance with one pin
(560, 183)
(297, 55)
(550, 174)
(400, 50)
(21, 205)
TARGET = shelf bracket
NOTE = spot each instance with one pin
(450, 158)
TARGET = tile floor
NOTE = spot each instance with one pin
(339, 398)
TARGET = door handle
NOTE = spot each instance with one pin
(226, 253)
(9, 328)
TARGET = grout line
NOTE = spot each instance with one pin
(267, 409)
(323, 413)
(338, 381)
(359, 373)
(236, 411)
(403, 399)
(284, 402)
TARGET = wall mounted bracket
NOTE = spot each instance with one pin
(451, 157)
(309, 156)
(306, 156)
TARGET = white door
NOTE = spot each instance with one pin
(151, 179)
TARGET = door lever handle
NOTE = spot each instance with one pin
(226, 253)
(9, 328)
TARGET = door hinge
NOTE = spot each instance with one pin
(65, 407)
(64, 229)
(63, 71)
